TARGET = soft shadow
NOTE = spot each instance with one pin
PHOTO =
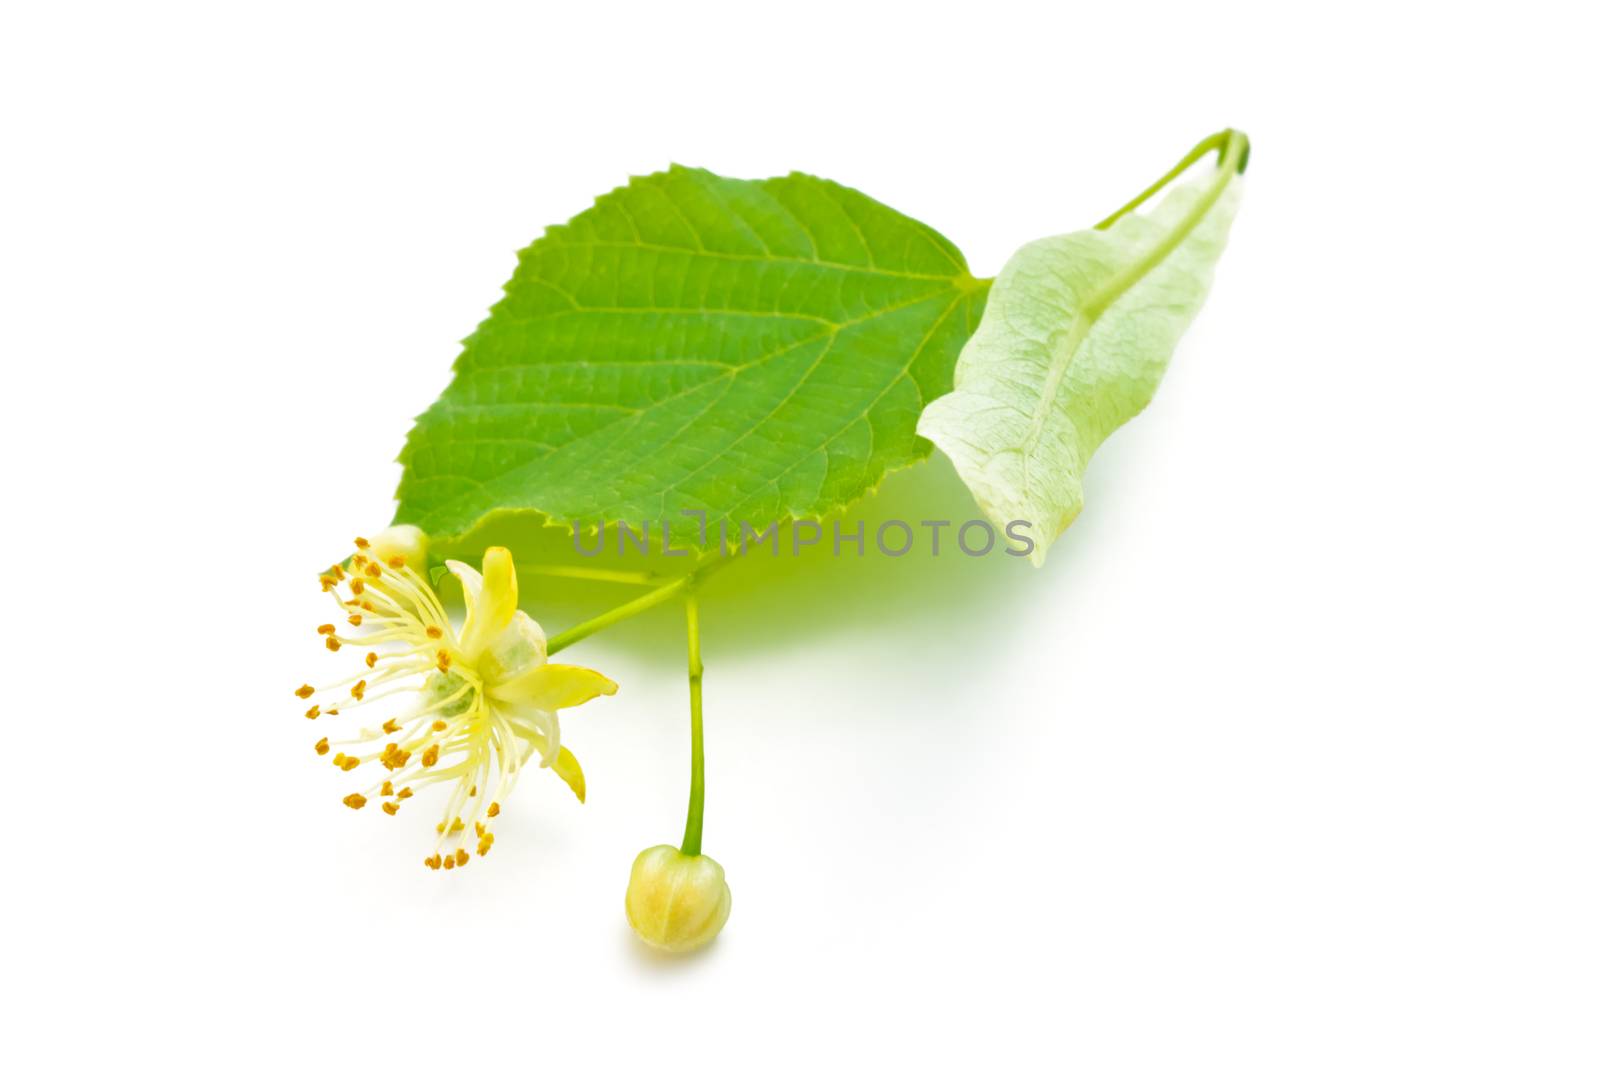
(918, 599)
(655, 962)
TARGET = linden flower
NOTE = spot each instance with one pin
(480, 704)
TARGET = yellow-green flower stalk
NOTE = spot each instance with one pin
(678, 898)
(474, 706)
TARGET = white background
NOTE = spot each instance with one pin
(1289, 756)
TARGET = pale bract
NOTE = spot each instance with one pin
(1077, 334)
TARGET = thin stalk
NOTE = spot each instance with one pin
(659, 595)
(1225, 143)
(1235, 149)
(697, 759)
(591, 574)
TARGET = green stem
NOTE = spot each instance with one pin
(591, 574)
(660, 595)
(1235, 151)
(697, 759)
(1225, 143)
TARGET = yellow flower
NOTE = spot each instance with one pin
(479, 704)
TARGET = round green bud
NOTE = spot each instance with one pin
(677, 903)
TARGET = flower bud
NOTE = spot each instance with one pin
(407, 542)
(677, 903)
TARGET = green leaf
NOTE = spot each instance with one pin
(1078, 332)
(758, 350)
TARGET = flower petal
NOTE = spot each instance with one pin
(471, 581)
(491, 610)
(566, 767)
(552, 686)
